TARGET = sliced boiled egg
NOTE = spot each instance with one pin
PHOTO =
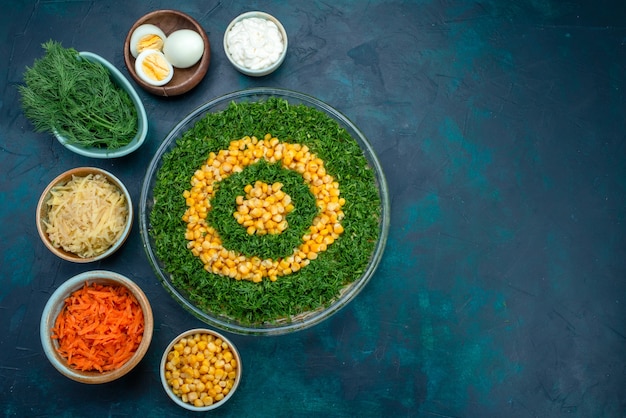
(152, 67)
(146, 36)
(183, 48)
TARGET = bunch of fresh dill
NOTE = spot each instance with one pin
(77, 99)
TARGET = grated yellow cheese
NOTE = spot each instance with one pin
(86, 215)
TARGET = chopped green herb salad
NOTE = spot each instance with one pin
(77, 99)
(294, 292)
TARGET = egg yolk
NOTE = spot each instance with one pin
(150, 41)
(155, 67)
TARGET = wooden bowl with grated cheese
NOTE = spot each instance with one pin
(85, 214)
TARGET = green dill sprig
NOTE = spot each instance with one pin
(77, 99)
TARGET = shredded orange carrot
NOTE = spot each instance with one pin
(99, 328)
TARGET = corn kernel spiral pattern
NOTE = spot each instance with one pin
(201, 369)
(264, 208)
(204, 241)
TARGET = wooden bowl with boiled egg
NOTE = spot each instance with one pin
(167, 52)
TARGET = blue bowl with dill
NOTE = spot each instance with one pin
(85, 102)
(264, 211)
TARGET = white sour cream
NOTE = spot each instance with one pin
(255, 43)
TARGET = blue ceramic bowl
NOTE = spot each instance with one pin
(142, 118)
(55, 305)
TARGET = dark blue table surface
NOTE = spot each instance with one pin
(501, 127)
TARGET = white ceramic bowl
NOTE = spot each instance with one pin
(42, 214)
(167, 387)
(142, 118)
(56, 303)
(262, 71)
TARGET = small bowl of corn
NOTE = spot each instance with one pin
(200, 369)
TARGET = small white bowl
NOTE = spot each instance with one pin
(42, 213)
(175, 397)
(266, 70)
(142, 117)
(56, 303)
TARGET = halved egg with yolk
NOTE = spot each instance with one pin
(152, 67)
(146, 36)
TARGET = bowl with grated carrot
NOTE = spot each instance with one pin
(96, 327)
(84, 215)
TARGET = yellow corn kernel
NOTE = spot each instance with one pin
(256, 212)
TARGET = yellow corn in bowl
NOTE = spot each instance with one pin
(200, 369)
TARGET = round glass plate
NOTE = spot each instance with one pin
(191, 284)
